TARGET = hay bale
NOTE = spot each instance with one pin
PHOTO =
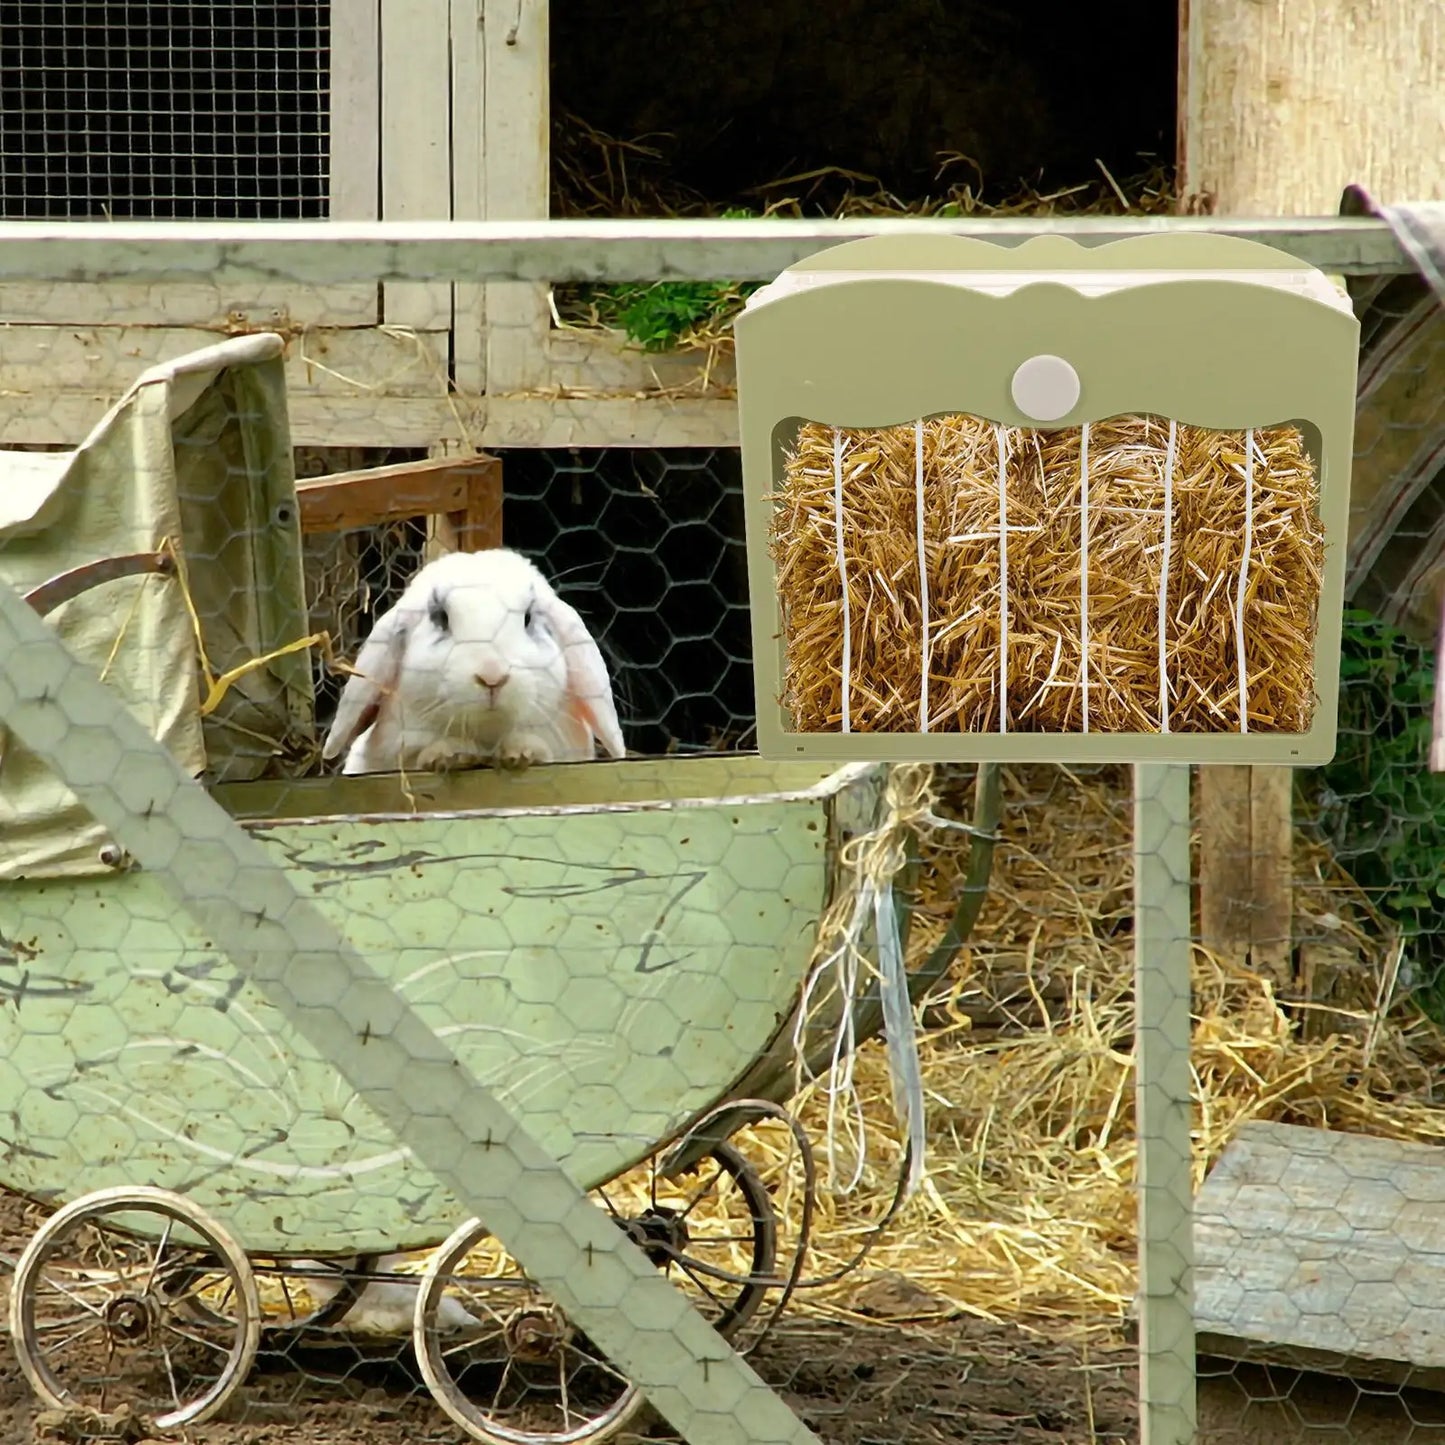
(1055, 645)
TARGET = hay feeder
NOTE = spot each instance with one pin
(1048, 502)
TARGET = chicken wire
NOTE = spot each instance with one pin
(997, 1309)
(646, 543)
(178, 111)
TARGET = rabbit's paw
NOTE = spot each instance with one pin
(443, 756)
(522, 750)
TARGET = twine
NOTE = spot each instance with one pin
(870, 863)
(1240, 661)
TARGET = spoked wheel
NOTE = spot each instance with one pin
(712, 1231)
(509, 1367)
(102, 1308)
(503, 1361)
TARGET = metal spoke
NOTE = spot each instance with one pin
(501, 1385)
(171, 1376)
(79, 1334)
(159, 1255)
(73, 1297)
(201, 1340)
(706, 1189)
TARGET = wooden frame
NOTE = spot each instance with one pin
(463, 493)
(366, 365)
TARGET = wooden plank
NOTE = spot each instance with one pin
(605, 361)
(596, 250)
(590, 422)
(1278, 118)
(470, 423)
(241, 304)
(355, 189)
(416, 168)
(468, 82)
(1226, 875)
(517, 124)
(1271, 837)
(477, 523)
(1324, 1250)
(346, 500)
(105, 360)
(65, 418)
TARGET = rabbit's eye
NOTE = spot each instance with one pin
(527, 619)
(437, 613)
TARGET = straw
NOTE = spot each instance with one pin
(1144, 577)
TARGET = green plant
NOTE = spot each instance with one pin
(662, 315)
(1381, 806)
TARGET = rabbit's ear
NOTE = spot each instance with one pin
(589, 688)
(378, 670)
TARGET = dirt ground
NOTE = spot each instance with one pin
(882, 1383)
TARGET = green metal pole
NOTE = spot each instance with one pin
(1162, 955)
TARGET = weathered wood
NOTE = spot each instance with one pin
(587, 360)
(49, 361)
(517, 125)
(1271, 836)
(1324, 1250)
(466, 488)
(316, 420)
(1281, 114)
(416, 166)
(233, 302)
(355, 172)
(468, 422)
(1226, 882)
(601, 250)
(469, 169)
(1278, 118)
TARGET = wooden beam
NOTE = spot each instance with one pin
(465, 490)
(1283, 110)
(1278, 117)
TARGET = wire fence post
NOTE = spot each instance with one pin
(1162, 955)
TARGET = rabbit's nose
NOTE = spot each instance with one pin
(492, 678)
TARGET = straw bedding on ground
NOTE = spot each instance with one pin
(1028, 1214)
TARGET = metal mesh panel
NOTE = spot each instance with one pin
(602, 943)
(181, 111)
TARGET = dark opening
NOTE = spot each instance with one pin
(1034, 92)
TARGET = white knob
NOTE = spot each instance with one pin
(1046, 388)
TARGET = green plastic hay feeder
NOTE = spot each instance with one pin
(1205, 331)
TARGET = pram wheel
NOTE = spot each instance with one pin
(506, 1364)
(135, 1298)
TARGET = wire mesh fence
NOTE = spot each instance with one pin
(181, 111)
(615, 948)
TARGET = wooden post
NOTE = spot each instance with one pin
(1279, 112)
(464, 494)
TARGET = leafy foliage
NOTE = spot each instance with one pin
(1382, 807)
(664, 315)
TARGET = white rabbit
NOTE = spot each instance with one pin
(479, 660)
